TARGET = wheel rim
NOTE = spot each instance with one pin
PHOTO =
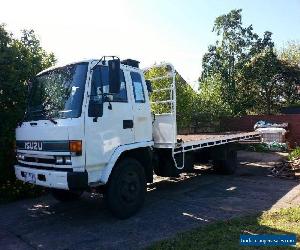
(130, 187)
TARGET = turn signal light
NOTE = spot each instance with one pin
(75, 147)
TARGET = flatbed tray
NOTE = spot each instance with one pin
(210, 136)
(197, 141)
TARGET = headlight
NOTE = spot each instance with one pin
(20, 157)
(68, 160)
(59, 160)
(63, 160)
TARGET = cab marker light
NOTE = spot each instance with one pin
(75, 147)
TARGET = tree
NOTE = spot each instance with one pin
(211, 104)
(276, 75)
(229, 56)
(20, 59)
(263, 71)
(289, 57)
(254, 78)
(290, 53)
(290, 79)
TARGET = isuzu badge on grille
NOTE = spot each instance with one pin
(33, 145)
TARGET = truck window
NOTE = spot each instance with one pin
(138, 89)
(100, 82)
(58, 93)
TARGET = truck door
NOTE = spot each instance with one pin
(115, 126)
(141, 108)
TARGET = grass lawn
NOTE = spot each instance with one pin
(226, 234)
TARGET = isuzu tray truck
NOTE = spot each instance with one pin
(89, 126)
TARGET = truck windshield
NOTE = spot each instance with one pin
(57, 93)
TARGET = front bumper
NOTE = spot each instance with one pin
(54, 179)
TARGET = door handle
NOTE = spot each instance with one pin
(127, 124)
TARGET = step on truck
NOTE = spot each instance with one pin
(90, 126)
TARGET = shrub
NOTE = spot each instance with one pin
(15, 190)
(20, 59)
(294, 154)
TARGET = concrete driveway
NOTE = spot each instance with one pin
(171, 206)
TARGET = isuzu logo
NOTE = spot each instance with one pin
(53, 146)
(33, 145)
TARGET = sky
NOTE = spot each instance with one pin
(175, 31)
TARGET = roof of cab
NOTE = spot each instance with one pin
(66, 64)
(80, 61)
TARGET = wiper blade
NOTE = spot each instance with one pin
(49, 117)
(51, 120)
(45, 115)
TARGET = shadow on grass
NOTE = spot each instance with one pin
(225, 234)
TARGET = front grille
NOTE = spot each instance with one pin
(39, 160)
(48, 161)
(45, 168)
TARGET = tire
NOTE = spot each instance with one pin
(227, 166)
(65, 195)
(126, 188)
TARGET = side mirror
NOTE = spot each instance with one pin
(114, 76)
(95, 108)
(149, 86)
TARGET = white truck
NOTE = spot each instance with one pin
(89, 126)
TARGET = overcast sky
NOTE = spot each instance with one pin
(176, 31)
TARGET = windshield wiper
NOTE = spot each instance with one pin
(48, 117)
(44, 114)
(51, 120)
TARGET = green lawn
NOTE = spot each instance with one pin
(225, 235)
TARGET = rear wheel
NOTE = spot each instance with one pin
(126, 188)
(228, 165)
(65, 195)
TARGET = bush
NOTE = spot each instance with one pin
(294, 154)
(20, 59)
(15, 190)
(192, 108)
(186, 97)
(211, 104)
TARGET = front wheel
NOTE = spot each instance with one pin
(65, 195)
(126, 188)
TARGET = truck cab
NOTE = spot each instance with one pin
(75, 129)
